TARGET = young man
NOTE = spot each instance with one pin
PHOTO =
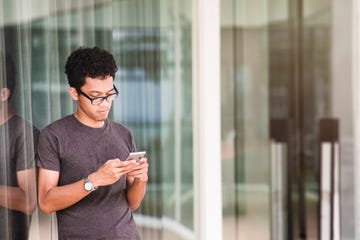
(17, 161)
(82, 175)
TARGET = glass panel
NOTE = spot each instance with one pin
(18, 136)
(151, 41)
(18, 143)
(245, 146)
(300, 96)
(283, 65)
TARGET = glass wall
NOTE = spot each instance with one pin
(286, 128)
(151, 41)
(245, 114)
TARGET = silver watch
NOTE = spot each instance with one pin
(88, 186)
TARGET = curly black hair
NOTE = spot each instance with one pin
(89, 62)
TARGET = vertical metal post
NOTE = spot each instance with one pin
(177, 109)
(329, 204)
(279, 178)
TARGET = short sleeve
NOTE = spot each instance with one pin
(48, 151)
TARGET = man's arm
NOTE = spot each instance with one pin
(52, 197)
(136, 184)
(22, 198)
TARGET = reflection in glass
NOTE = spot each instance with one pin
(17, 168)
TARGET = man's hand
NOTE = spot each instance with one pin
(54, 198)
(136, 181)
(139, 171)
(111, 171)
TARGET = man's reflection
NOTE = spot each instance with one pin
(18, 140)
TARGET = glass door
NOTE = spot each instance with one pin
(283, 120)
(299, 94)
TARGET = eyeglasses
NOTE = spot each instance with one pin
(98, 100)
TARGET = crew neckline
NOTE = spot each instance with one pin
(89, 127)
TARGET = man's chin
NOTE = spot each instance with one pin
(101, 118)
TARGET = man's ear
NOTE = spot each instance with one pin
(4, 94)
(73, 93)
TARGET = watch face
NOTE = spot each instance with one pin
(88, 186)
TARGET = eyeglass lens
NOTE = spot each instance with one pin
(108, 98)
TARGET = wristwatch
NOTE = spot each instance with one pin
(88, 186)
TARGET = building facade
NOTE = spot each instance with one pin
(247, 108)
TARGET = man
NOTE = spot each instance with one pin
(82, 175)
(17, 161)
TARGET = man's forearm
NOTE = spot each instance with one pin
(15, 198)
(135, 193)
(61, 197)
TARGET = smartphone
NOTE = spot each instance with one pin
(135, 156)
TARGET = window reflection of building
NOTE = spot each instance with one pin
(17, 161)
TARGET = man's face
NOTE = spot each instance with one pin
(4, 94)
(93, 114)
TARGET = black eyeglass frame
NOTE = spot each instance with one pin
(102, 98)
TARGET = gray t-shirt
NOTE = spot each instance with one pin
(18, 139)
(76, 150)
